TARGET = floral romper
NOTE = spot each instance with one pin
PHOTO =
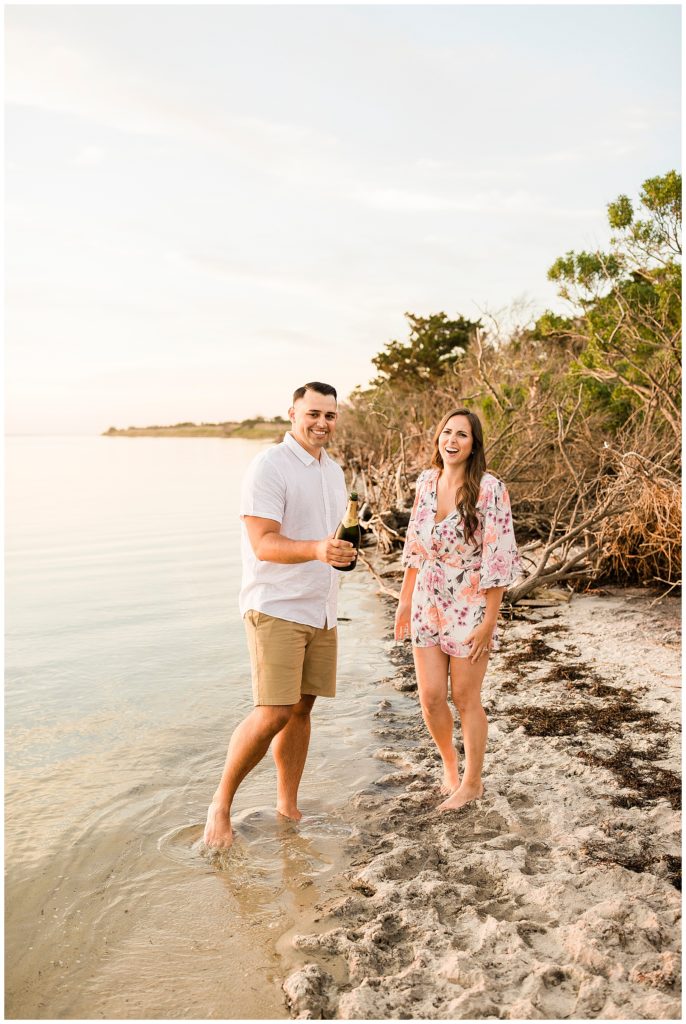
(449, 597)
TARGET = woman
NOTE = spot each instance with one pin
(460, 556)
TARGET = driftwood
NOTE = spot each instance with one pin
(595, 495)
(380, 583)
(560, 558)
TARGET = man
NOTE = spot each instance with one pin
(293, 498)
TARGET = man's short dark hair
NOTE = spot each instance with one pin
(315, 385)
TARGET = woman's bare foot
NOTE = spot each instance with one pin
(451, 781)
(218, 832)
(462, 796)
(288, 812)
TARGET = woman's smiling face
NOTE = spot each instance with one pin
(455, 441)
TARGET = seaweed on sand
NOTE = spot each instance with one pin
(638, 860)
(585, 716)
(598, 709)
(647, 781)
(534, 650)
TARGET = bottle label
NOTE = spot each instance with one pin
(350, 517)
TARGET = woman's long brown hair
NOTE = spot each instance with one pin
(467, 496)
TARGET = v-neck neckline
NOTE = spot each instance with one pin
(437, 522)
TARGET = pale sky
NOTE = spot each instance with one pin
(207, 206)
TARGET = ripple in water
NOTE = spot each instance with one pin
(266, 845)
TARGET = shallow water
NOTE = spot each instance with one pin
(126, 670)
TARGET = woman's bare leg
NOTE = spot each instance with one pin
(431, 665)
(466, 678)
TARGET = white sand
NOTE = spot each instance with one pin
(545, 899)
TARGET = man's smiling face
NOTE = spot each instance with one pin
(314, 420)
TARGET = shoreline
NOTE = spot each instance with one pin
(558, 894)
(247, 430)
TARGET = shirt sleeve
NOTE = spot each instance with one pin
(263, 492)
(501, 564)
(413, 555)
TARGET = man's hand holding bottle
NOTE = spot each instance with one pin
(338, 553)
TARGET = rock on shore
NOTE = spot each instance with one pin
(558, 894)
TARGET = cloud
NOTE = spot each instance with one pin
(242, 273)
(593, 150)
(89, 156)
(44, 73)
(516, 203)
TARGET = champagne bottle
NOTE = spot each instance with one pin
(349, 529)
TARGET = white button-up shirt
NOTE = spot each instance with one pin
(308, 497)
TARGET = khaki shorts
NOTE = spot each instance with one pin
(289, 659)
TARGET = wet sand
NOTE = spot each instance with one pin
(558, 894)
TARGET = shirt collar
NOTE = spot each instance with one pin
(298, 450)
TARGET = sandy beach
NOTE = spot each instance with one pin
(558, 894)
(553, 897)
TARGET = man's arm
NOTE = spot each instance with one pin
(269, 546)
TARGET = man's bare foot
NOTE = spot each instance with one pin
(461, 796)
(288, 812)
(218, 832)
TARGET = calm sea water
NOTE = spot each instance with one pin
(126, 669)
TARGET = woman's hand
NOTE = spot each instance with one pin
(403, 612)
(480, 639)
(402, 620)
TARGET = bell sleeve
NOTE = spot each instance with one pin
(501, 564)
(413, 554)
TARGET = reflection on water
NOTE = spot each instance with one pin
(126, 671)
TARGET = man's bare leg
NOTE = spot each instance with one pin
(248, 745)
(289, 750)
